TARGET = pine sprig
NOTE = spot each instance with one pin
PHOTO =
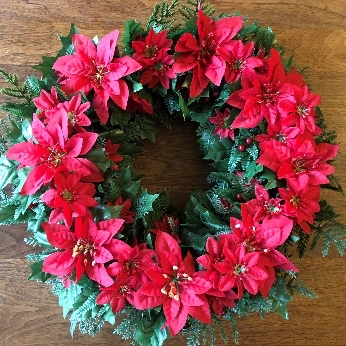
(16, 90)
(163, 16)
(189, 12)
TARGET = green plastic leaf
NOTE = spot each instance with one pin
(8, 171)
(280, 297)
(67, 46)
(37, 273)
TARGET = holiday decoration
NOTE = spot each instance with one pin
(113, 252)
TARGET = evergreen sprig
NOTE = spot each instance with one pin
(163, 16)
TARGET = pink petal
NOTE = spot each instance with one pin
(106, 47)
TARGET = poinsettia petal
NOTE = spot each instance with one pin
(104, 297)
(165, 242)
(171, 309)
(50, 265)
(178, 323)
(98, 273)
(106, 47)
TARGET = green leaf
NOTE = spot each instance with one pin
(8, 171)
(280, 297)
(37, 273)
(132, 29)
(67, 46)
(46, 68)
(98, 157)
(144, 203)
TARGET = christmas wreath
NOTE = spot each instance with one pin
(112, 251)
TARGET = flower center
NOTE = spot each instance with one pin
(208, 49)
(295, 201)
(299, 165)
(67, 195)
(97, 73)
(303, 111)
(239, 269)
(150, 51)
(83, 248)
(269, 96)
(54, 159)
(71, 117)
(272, 207)
(238, 64)
(131, 267)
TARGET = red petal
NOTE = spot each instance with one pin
(165, 242)
(99, 274)
(104, 297)
(171, 309)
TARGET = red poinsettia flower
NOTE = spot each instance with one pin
(220, 300)
(302, 112)
(201, 55)
(263, 238)
(54, 152)
(238, 58)
(69, 197)
(87, 249)
(126, 214)
(131, 262)
(160, 72)
(74, 109)
(94, 67)
(148, 51)
(278, 132)
(214, 255)
(175, 285)
(46, 101)
(241, 270)
(169, 225)
(117, 295)
(302, 205)
(262, 95)
(111, 152)
(302, 161)
(139, 104)
(263, 207)
(222, 120)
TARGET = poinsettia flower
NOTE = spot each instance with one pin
(147, 51)
(111, 152)
(262, 95)
(222, 120)
(54, 152)
(126, 214)
(46, 101)
(69, 197)
(84, 250)
(263, 207)
(201, 55)
(94, 67)
(241, 270)
(139, 104)
(278, 132)
(302, 205)
(75, 110)
(302, 161)
(238, 58)
(169, 225)
(175, 285)
(219, 301)
(160, 72)
(117, 295)
(302, 111)
(131, 262)
(214, 255)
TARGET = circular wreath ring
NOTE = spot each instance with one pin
(108, 246)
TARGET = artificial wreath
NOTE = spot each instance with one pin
(108, 247)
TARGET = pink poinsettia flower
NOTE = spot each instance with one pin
(238, 58)
(117, 295)
(87, 249)
(147, 52)
(222, 120)
(160, 72)
(111, 152)
(302, 205)
(46, 101)
(201, 55)
(175, 285)
(70, 198)
(75, 110)
(302, 112)
(131, 262)
(169, 225)
(94, 67)
(262, 95)
(54, 152)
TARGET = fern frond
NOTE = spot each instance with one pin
(163, 16)
(302, 243)
(189, 12)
